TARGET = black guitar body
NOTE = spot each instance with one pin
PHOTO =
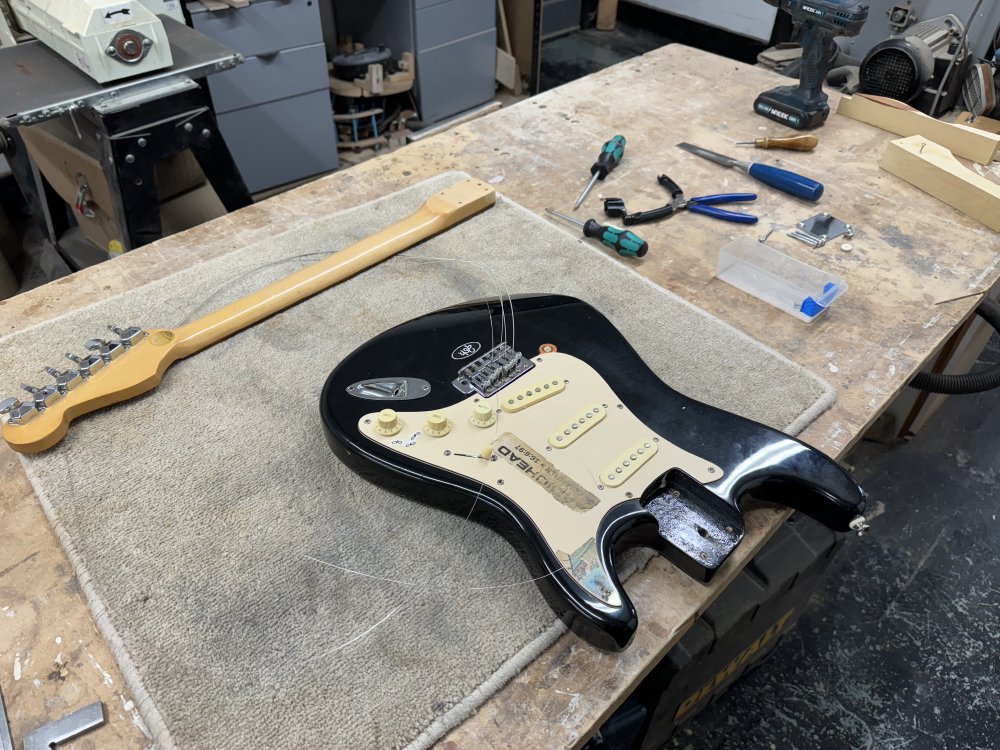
(694, 523)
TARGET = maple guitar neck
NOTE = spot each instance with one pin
(123, 369)
(430, 219)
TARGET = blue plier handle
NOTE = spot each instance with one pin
(705, 205)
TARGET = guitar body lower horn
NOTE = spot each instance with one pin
(569, 445)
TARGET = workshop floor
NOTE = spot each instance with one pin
(899, 649)
(638, 30)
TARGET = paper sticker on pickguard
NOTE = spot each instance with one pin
(526, 459)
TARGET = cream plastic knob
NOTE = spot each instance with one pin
(482, 415)
(437, 424)
(388, 423)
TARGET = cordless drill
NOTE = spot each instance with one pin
(804, 106)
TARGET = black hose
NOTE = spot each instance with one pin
(973, 382)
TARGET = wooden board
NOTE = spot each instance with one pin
(982, 122)
(607, 14)
(538, 152)
(901, 119)
(933, 169)
(524, 24)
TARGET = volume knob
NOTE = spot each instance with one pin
(482, 415)
(388, 423)
(437, 424)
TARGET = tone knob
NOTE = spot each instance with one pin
(388, 423)
(437, 424)
(483, 415)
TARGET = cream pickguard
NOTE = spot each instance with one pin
(558, 443)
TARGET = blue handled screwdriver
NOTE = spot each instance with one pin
(780, 179)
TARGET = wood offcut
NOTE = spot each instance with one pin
(899, 118)
(932, 168)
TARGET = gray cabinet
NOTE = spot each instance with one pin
(274, 110)
(453, 41)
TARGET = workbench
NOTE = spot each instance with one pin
(909, 252)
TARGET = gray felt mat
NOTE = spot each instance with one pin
(200, 516)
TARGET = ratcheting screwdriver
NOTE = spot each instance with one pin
(780, 179)
(790, 143)
(609, 158)
(622, 241)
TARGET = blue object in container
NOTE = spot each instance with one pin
(812, 308)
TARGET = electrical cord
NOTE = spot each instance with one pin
(951, 65)
(973, 382)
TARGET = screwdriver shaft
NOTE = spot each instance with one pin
(565, 217)
(586, 190)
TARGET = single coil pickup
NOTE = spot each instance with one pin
(628, 463)
(572, 431)
(516, 400)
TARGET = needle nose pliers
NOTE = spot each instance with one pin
(705, 204)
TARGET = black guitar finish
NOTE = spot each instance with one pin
(695, 525)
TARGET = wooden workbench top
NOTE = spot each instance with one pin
(909, 252)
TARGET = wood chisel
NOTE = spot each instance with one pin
(790, 143)
(780, 179)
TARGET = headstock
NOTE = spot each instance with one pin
(462, 200)
(113, 370)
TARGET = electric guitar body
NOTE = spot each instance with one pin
(550, 428)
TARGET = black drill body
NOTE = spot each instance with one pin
(805, 106)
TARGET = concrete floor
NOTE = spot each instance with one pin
(587, 51)
(900, 648)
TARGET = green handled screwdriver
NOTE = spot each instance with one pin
(611, 155)
(622, 241)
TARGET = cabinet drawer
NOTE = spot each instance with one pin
(456, 77)
(263, 79)
(263, 27)
(452, 20)
(282, 141)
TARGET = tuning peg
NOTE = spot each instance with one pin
(17, 411)
(108, 350)
(129, 336)
(43, 396)
(66, 379)
(88, 365)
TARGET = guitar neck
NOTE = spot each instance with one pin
(432, 218)
(138, 365)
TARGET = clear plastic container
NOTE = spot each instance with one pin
(788, 284)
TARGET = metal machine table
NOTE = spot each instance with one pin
(131, 124)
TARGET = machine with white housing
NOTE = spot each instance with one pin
(107, 39)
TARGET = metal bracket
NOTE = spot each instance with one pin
(6, 743)
(901, 17)
(66, 728)
(819, 229)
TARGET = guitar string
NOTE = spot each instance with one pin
(502, 291)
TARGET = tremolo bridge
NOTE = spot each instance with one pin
(493, 371)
